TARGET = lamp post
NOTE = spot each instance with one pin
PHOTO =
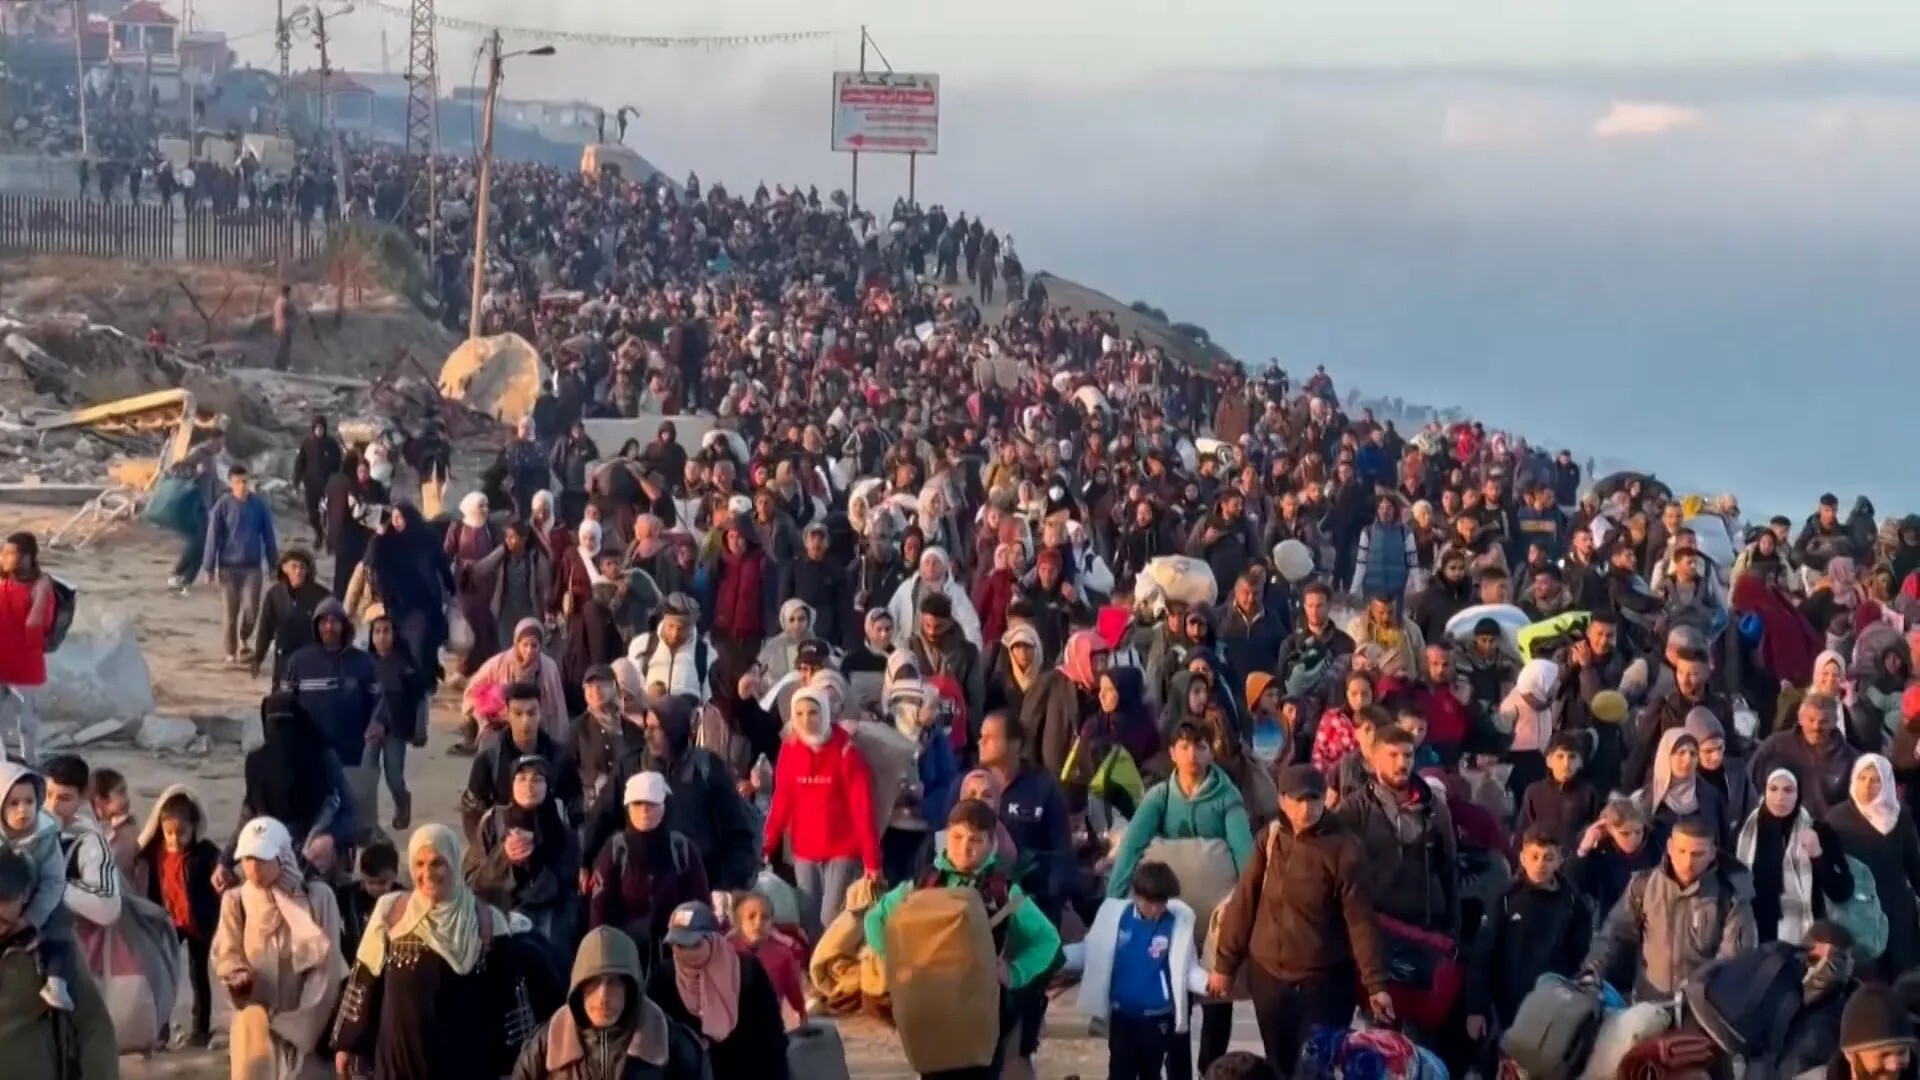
(483, 209)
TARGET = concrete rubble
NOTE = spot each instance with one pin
(99, 673)
(64, 380)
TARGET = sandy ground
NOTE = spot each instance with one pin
(179, 636)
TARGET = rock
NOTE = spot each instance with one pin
(99, 673)
(167, 734)
(93, 733)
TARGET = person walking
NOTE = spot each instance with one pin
(240, 547)
(26, 616)
(1301, 923)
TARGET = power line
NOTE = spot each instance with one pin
(644, 41)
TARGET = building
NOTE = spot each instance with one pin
(308, 91)
(144, 48)
(573, 123)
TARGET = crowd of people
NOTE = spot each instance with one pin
(982, 651)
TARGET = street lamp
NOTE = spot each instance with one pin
(483, 211)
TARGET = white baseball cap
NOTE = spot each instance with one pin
(647, 787)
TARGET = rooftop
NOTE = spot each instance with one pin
(145, 13)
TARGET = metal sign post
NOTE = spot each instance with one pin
(884, 112)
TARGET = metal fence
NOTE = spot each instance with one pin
(31, 224)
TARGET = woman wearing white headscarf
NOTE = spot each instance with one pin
(781, 652)
(935, 574)
(469, 541)
(1675, 792)
(1797, 867)
(436, 990)
(277, 952)
(1874, 828)
(822, 810)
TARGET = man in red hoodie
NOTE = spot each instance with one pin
(823, 806)
(26, 616)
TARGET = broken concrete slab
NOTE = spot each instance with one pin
(167, 734)
(99, 673)
(100, 732)
(37, 494)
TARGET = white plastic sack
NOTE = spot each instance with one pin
(1176, 579)
(1511, 619)
(1294, 560)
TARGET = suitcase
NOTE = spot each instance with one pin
(1553, 1033)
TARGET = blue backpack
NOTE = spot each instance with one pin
(1862, 915)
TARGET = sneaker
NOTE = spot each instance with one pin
(176, 582)
(54, 993)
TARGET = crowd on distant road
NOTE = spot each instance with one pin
(984, 652)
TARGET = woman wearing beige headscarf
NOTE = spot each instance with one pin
(277, 952)
(436, 991)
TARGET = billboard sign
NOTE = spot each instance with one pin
(881, 112)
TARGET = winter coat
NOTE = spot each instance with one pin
(757, 1045)
(202, 859)
(286, 617)
(1214, 812)
(1385, 562)
(1301, 910)
(634, 890)
(1674, 929)
(1026, 941)
(1411, 865)
(1528, 932)
(1248, 644)
(644, 1045)
(823, 803)
(1186, 978)
(339, 688)
(739, 595)
(826, 587)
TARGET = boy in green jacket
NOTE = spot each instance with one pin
(1026, 941)
(1199, 802)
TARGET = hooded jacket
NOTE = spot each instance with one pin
(703, 805)
(1411, 868)
(643, 1045)
(202, 857)
(823, 802)
(1027, 941)
(41, 847)
(286, 615)
(1677, 929)
(1215, 811)
(338, 687)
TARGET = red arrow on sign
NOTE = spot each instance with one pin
(856, 140)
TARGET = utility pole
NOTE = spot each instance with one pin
(483, 206)
(189, 87)
(80, 74)
(853, 206)
(283, 41)
(331, 129)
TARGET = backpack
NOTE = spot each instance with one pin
(65, 600)
(939, 951)
(1862, 915)
(1746, 1001)
(652, 640)
(678, 843)
(1553, 1033)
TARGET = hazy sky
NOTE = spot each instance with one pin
(1683, 234)
(1108, 39)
